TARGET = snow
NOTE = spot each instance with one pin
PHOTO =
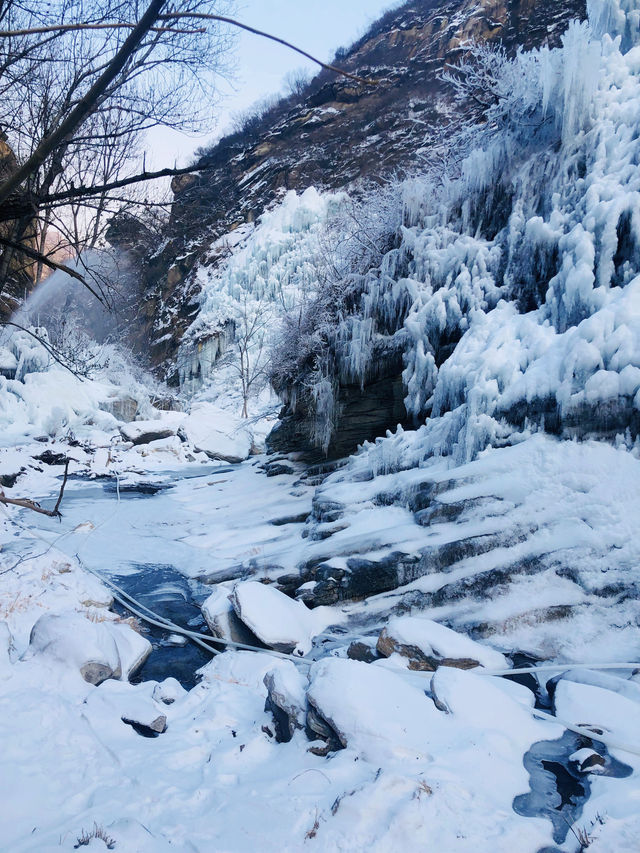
(531, 544)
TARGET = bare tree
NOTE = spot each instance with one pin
(250, 345)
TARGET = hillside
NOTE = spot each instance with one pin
(337, 134)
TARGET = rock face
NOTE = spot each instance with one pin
(335, 133)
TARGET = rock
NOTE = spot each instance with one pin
(8, 481)
(154, 726)
(274, 469)
(428, 645)
(99, 650)
(223, 621)
(75, 641)
(599, 710)
(318, 728)
(587, 760)
(623, 686)
(133, 648)
(217, 433)
(362, 652)
(142, 432)
(280, 622)
(168, 691)
(286, 699)
(371, 709)
(123, 408)
(51, 458)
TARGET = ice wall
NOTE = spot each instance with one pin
(269, 270)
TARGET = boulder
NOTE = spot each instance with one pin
(222, 619)
(123, 408)
(361, 651)
(428, 645)
(371, 709)
(75, 641)
(142, 432)
(217, 433)
(99, 650)
(280, 622)
(286, 699)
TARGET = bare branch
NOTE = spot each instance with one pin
(26, 503)
(201, 16)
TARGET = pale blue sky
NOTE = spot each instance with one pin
(317, 26)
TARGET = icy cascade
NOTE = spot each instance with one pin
(267, 273)
(513, 290)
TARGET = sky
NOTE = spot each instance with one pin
(317, 26)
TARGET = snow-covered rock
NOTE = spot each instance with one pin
(286, 699)
(222, 619)
(280, 622)
(72, 640)
(373, 710)
(143, 432)
(217, 433)
(99, 650)
(133, 648)
(604, 711)
(168, 691)
(428, 645)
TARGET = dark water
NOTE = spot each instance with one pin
(173, 596)
(558, 789)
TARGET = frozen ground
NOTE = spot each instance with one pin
(411, 773)
(477, 542)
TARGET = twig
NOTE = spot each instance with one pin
(27, 503)
(201, 16)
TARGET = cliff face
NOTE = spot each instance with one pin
(333, 136)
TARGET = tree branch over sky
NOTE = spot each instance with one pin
(79, 79)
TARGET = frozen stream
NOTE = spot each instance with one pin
(162, 533)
